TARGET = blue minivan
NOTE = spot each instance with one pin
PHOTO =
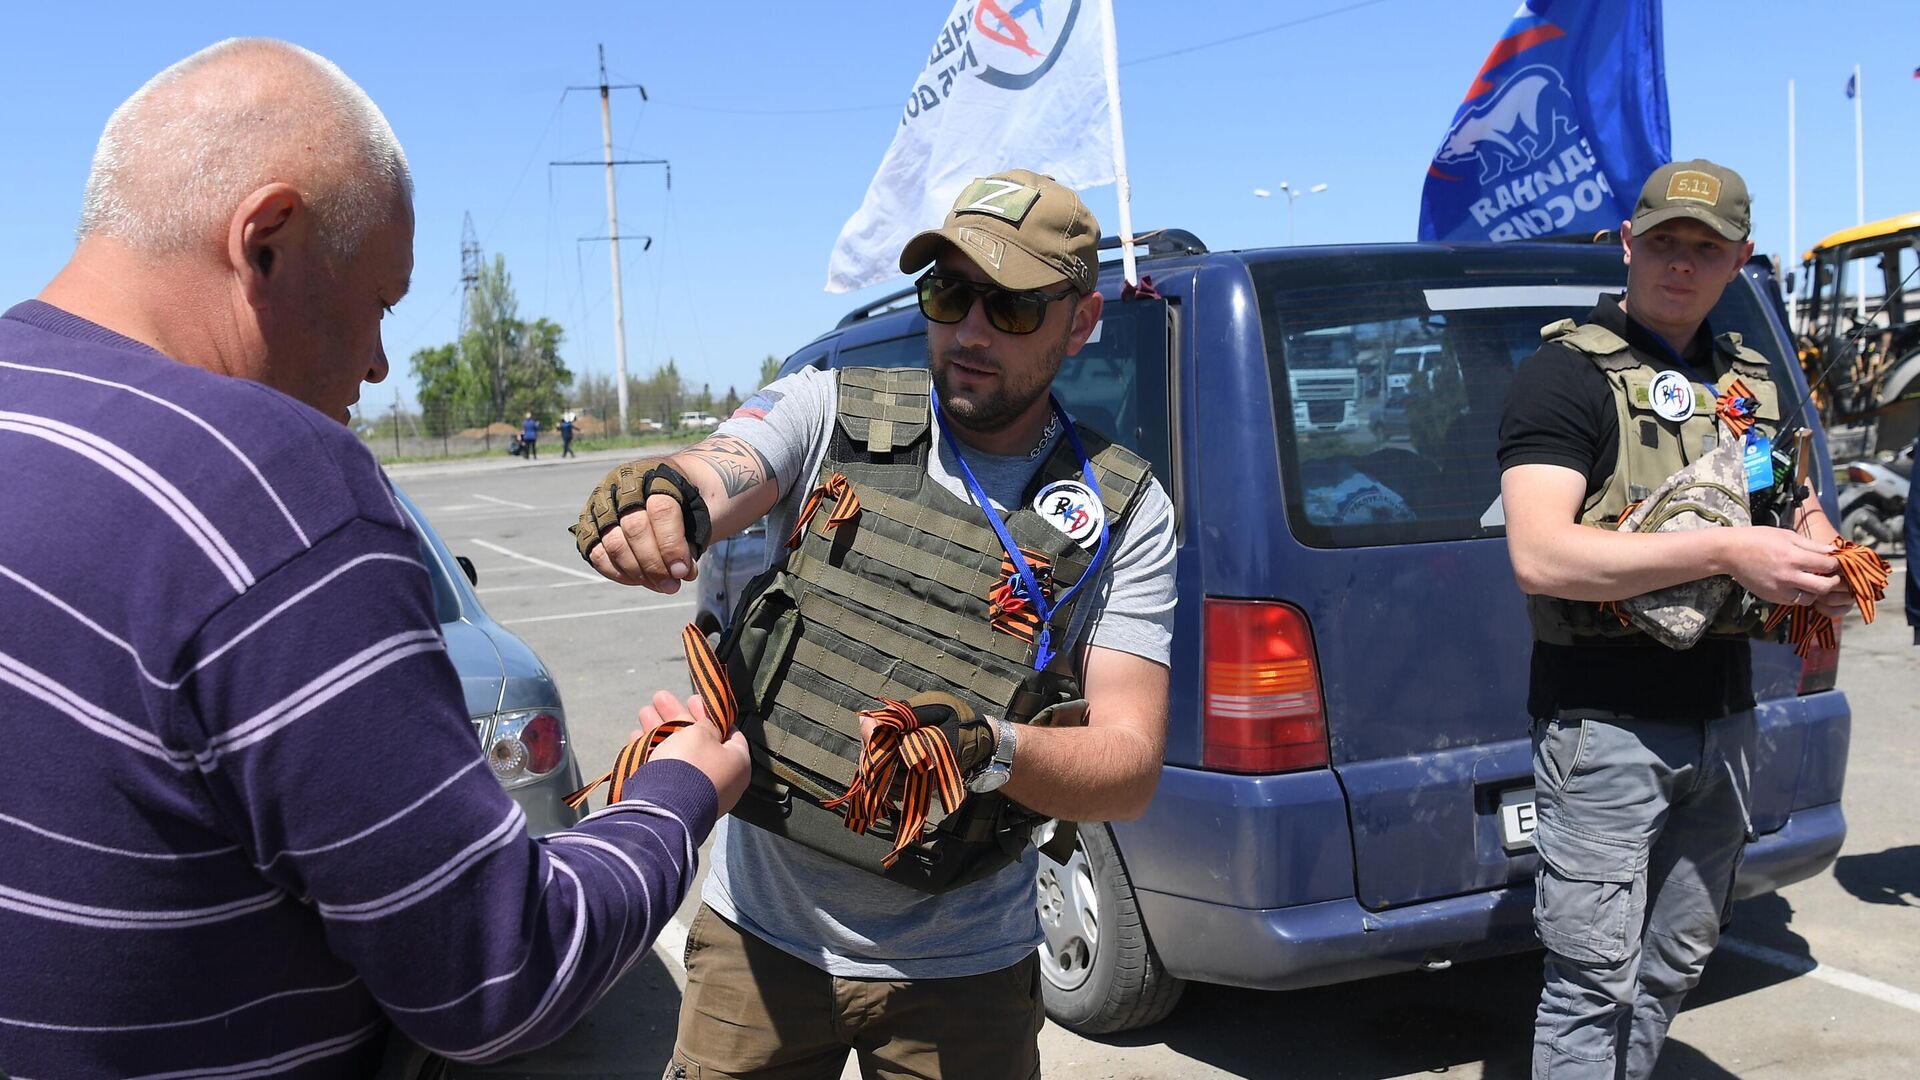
(1348, 779)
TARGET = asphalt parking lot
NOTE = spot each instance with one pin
(1820, 980)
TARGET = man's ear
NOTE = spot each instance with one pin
(1626, 242)
(270, 228)
(1086, 316)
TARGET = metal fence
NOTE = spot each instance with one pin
(399, 435)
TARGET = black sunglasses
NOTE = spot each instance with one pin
(946, 299)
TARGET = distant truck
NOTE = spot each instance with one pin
(1323, 376)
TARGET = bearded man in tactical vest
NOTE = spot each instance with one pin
(1642, 682)
(966, 634)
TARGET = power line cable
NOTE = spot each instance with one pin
(1288, 25)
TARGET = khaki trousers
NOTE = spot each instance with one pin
(754, 1012)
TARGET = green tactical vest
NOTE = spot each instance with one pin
(893, 603)
(1652, 448)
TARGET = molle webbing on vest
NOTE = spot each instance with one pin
(885, 410)
(895, 600)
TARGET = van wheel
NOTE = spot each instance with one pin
(1102, 974)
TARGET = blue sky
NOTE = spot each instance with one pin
(775, 116)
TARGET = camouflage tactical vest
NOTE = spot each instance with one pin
(891, 603)
(1652, 448)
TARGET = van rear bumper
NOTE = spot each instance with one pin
(1338, 940)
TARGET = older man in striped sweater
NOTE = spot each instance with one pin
(246, 828)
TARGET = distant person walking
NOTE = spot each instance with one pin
(530, 435)
(566, 435)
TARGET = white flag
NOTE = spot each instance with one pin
(1008, 85)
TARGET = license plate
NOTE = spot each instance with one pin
(1516, 819)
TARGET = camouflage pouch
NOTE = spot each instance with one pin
(1710, 493)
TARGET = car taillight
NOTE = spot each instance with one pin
(1858, 475)
(1263, 711)
(1821, 665)
(524, 746)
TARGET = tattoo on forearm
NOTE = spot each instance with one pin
(740, 467)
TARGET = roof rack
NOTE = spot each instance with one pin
(1158, 242)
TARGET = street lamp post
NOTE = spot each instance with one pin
(1293, 195)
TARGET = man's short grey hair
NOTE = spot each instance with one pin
(177, 157)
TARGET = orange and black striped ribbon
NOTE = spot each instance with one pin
(1866, 576)
(846, 507)
(723, 710)
(900, 741)
(1736, 407)
(1012, 614)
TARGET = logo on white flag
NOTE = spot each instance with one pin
(1006, 28)
(1007, 85)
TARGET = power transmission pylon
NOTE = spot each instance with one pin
(613, 220)
(469, 271)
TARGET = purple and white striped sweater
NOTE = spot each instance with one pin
(243, 816)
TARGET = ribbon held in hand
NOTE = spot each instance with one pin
(1865, 574)
(709, 682)
(901, 739)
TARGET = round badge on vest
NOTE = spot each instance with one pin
(1068, 505)
(1672, 396)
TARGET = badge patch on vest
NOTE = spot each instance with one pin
(1671, 395)
(1069, 506)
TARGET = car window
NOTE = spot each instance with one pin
(910, 351)
(1390, 389)
(1117, 383)
(446, 605)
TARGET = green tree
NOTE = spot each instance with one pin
(448, 393)
(515, 366)
(769, 369)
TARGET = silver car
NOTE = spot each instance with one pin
(511, 695)
(725, 570)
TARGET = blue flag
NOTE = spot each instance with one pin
(1563, 123)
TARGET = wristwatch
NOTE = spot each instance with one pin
(998, 771)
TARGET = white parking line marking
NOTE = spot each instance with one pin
(503, 502)
(567, 570)
(491, 589)
(688, 604)
(1832, 976)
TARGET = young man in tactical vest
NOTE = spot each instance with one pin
(961, 554)
(1641, 752)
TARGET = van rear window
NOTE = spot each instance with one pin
(1390, 384)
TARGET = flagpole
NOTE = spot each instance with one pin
(1111, 47)
(1859, 153)
(1793, 207)
(1859, 175)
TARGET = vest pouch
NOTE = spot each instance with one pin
(938, 863)
(1711, 493)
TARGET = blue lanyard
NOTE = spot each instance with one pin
(1041, 606)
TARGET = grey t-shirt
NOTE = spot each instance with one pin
(856, 924)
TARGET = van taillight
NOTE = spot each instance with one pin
(1263, 710)
(1821, 665)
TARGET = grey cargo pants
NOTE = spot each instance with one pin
(1640, 825)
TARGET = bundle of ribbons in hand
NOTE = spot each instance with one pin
(905, 758)
(710, 682)
(1865, 574)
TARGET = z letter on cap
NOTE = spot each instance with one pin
(1001, 198)
(1694, 187)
